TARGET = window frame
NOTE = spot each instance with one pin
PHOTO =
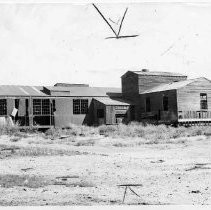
(40, 107)
(80, 106)
(3, 107)
(84, 106)
(203, 102)
(46, 107)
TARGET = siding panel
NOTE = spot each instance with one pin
(189, 96)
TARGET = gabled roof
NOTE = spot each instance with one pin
(18, 90)
(145, 72)
(159, 73)
(113, 101)
(82, 91)
(173, 85)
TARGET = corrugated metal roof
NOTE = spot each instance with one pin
(17, 90)
(82, 91)
(171, 86)
(70, 85)
(159, 73)
(113, 101)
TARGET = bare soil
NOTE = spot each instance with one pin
(39, 171)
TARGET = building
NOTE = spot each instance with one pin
(170, 98)
(61, 105)
(146, 96)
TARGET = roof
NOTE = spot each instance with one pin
(159, 73)
(113, 101)
(171, 86)
(82, 91)
(70, 85)
(17, 90)
(145, 72)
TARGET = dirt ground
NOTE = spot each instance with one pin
(38, 171)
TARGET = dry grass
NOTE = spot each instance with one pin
(152, 132)
(11, 151)
(72, 130)
(8, 181)
(121, 135)
(34, 181)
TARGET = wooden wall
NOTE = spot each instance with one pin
(156, 101)
(110, 112)
(98, 105)
(146, 82)
(188, 98)
(129, 85)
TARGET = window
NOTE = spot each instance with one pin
(80, 106)
(100, 113)
(3, 107)
(41, 107)
(84, 106)
(148, 105)
(203, 101)
(45, 107)
(121, 107)
(37, 107)
(76, 106)
(165, 103)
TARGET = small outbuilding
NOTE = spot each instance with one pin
(112, 110)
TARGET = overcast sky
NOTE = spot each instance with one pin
(41, 44)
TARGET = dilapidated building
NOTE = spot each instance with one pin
(166, 97)
(145, 96)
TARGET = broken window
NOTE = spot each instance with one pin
(148, 104)
(100, 113)
(80, 106)
(203, 101)
(3, 107)
(165, 103)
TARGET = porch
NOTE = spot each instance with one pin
(194, 117)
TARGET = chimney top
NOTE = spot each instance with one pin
(145, 70)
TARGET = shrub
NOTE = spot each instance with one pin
(9, 130)
(107, 130)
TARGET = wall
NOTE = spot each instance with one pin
(189, 97)
(98, 105)
(147, 82)
(133, 84)
(156, 101)
(20, 117)
(129, 85)
(64, 112)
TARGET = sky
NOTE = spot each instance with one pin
(42, 44)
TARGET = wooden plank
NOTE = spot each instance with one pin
(195, 120)
(147, 82)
